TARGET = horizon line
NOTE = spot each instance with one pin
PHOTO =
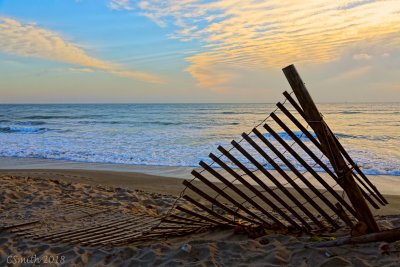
(176, 103)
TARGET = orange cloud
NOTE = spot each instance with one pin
(28, 40)
(262, 34)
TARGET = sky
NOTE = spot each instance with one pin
(173, 51)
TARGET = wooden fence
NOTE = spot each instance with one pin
(289, 172)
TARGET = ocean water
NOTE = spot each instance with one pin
(184, 134)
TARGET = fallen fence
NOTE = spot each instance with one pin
(289, 172)
(284, 187)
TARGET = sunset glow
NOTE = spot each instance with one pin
(197, 51)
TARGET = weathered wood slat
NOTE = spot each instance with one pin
(182, 222)
(100, 236)
(217, 203)
(146, 236)
(72, 227)
(298, 124)
(116, 234)
(136, 238)
(304, 163)
(187, 219)
(268, 190)
(24, 228)
(18, 225)
(177, 227)
(380, 198)
(298, 174)
(202, 217)
(235, 189)
(107, 240)
(131, 225)
(226, 196)
(280, 186)
(292, 183)
(211, 212)
(85, 230)
(318, 160)
(255, 191)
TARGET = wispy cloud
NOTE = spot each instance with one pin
(362, 56)
(355, 73)
(120, 5)
(262, 34)
(87, 70)
(29, 40)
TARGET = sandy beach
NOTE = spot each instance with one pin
(200, 133)
(41, 194)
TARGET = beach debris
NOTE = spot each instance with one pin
(387, 236)
(385, 224)
(384, 248)
(315, 238)
(359, 229)
(329, 254)
(263, 240)
(186, 248)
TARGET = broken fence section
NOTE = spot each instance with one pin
(289, 172)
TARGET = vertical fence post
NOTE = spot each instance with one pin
(330, 148)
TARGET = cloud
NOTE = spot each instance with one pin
(28, 40)
(87, 70)
(210, 74)
(120, 5)
(362, 56)
(352, 74)
(271, 34)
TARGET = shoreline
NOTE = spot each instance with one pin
(159, 170)
(126, 173)
(57, 164)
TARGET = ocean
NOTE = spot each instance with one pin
(183, 134)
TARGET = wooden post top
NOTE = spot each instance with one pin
(302, 94)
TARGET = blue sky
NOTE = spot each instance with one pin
(197, 51)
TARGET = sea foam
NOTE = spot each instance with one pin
(184, 134)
